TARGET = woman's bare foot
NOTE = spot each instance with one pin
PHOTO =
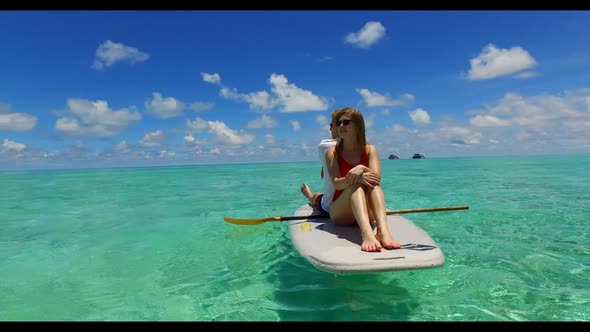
(370, 244)
(308, 194)
(306, 191)
(387, 241)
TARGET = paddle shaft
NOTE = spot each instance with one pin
(434, 209)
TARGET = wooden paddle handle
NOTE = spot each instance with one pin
(445, 208)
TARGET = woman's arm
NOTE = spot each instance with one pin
(372, 175)
(358, 172)
(374, 163)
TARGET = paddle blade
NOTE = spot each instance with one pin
(239, 221)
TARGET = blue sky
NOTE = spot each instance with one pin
(137, 88)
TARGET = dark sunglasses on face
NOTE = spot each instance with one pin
(345, 122)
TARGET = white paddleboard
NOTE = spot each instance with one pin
(337, 249)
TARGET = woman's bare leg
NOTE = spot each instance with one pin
(377, 203)
(369, 207)
(351, 205)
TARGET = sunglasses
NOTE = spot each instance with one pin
(345, 122)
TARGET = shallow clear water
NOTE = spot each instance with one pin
(151, 244)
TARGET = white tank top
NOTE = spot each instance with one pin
(328, 185)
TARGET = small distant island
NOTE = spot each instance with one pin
(418, 156)
(393, 156)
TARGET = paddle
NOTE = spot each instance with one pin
(238, 221)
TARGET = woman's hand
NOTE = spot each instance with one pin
(369, 179)
(354, 175)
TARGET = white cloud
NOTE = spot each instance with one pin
(420, 117)
(294, 99)
(526, 74)
(257, 100)
(17, 121)
(170, 107)
(369, 120)
(225, 135)
(13, 121)
(285, 95)
(8, 145)
(459, 135)
(122, 147)
(95, 118)
(397, 128)
(322, 119)
(153, 139)
(493, 62)
(220, 131)
(164, 108)
(198, 126)
(108, 53)
(76, 150)
(264, 121)
(164, 154)
(537, 112)
(296, 125)
(488, 121)
(201, 107)
(374, 99)
(269, 139)
(211, 78)
(367, 36)
(191, 141)
(515, 124)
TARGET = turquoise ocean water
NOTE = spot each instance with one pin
(151, 244)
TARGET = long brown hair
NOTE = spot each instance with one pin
(357, 117)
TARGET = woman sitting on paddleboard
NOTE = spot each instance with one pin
(355, 171)
(322, 201)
